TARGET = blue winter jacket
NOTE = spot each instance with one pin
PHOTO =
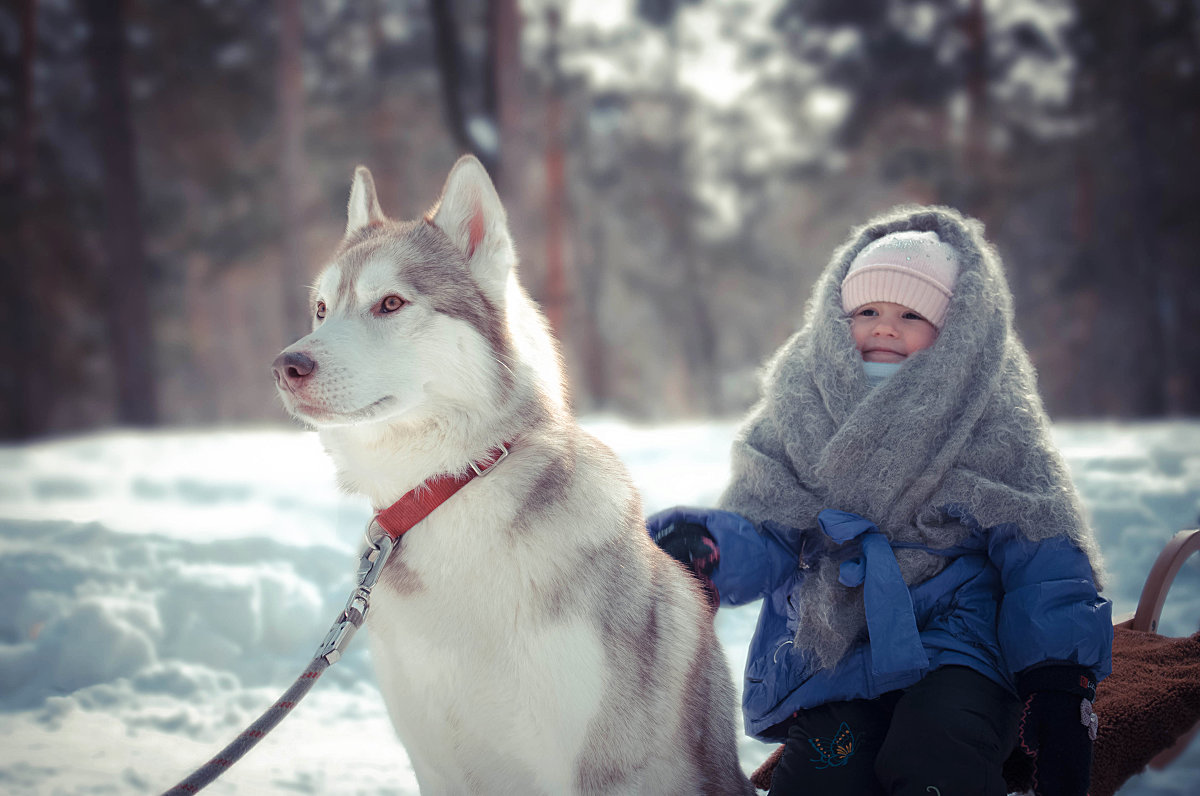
(1001, 606)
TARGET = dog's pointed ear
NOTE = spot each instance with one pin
(363, 209)
(470, 213)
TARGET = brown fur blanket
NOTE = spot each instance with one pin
(1151, 699)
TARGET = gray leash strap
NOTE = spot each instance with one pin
(253, 734)
(370, 565)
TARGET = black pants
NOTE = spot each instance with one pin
(948, 734)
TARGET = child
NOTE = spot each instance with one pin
(928, 579)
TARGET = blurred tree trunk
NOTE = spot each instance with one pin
(449, 57)
(979, 172)
(977, 79)
(293, 268)
(699, 333)
(556, 183)
(592, 347)
(1160, 113)
(23, 362)
(1150, 270)
(131, 333)
(1135, 171)
(503, 102)
(384, 126)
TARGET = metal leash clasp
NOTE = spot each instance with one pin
(370, 566)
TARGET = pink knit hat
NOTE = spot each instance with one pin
(915, 269)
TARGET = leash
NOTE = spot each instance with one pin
(370, 565)
(392, 522)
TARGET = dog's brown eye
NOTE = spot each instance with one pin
(391, 304)
(321, 310)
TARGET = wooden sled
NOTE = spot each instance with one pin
(1149, 707)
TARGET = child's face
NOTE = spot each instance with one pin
(887, 332)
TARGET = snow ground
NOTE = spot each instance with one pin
(159, 590)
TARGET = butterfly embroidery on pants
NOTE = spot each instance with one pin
(834, 751)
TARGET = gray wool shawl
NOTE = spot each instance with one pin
(960, 424)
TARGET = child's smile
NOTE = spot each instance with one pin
(887, 332)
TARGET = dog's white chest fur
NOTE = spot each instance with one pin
(489, 689)
(483, 707)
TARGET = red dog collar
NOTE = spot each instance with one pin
(398, 518)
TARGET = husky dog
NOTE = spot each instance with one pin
(527, 635)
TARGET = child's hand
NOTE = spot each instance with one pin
(1058, 727)
(690, 544)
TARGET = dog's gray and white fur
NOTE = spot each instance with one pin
(527, 636)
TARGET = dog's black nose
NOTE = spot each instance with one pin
(291, 368)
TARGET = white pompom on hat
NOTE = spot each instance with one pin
(915, 269)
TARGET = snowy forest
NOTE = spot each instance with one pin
(676, 173)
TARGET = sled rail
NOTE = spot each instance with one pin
(1158, 582)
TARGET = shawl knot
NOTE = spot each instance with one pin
(891, 625)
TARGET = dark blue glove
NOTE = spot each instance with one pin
(1058, 727)
(689, 543)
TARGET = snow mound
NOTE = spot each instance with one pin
(159, 590)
